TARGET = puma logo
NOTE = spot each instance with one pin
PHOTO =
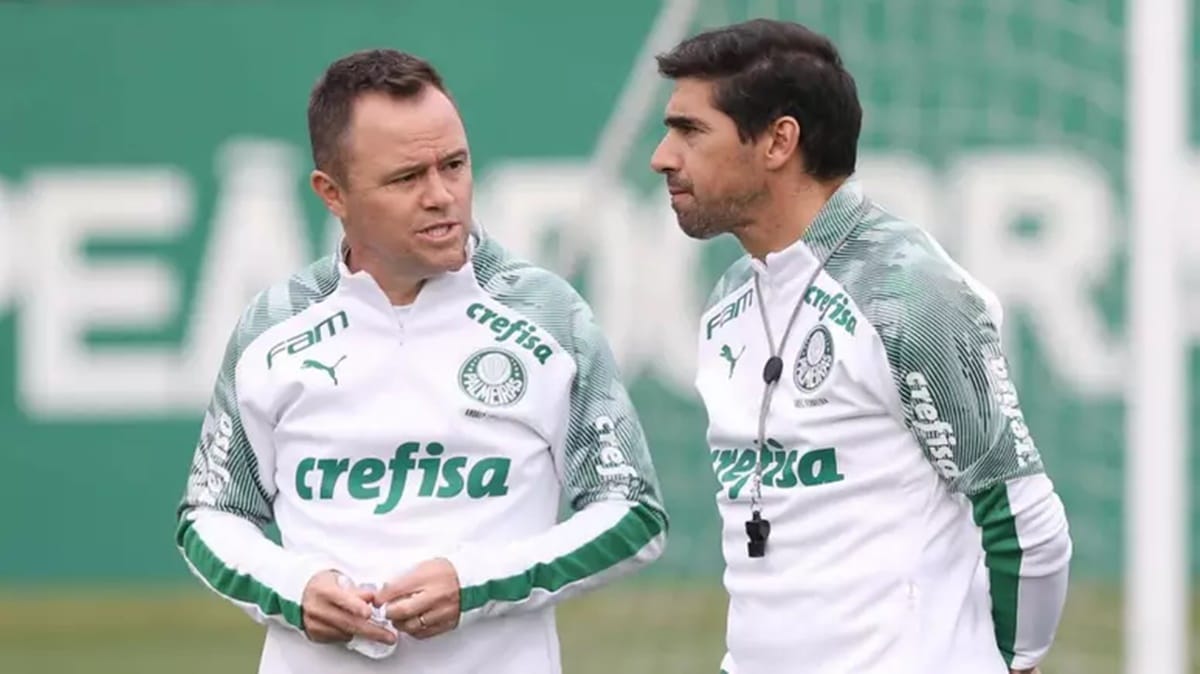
(330, 370)
(727, 354)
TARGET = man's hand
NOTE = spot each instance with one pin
(336, 613)
(425, 601)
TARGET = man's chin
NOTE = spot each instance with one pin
(450, 260)
(698, 232)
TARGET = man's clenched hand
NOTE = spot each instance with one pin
(424, 602)
(336, 613)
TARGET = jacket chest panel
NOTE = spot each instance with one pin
(443, 409)
(826, 423)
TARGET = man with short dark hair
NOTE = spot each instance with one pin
(409, 412)
(885, 508)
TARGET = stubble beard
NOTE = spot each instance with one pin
(728, 215)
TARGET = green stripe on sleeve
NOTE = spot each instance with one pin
(634, 531)
(1002, 555)
(229, 582)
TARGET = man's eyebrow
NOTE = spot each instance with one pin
(422, 166)
(405, 169)
(684, 123)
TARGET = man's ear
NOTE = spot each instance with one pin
(329, 192)
(781, 142)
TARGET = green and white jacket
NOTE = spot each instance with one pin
(914, 528)
(375, 437)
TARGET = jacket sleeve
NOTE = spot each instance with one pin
(617, 523)
(226, 508)
(962, 407)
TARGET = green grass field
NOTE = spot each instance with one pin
(633, 628)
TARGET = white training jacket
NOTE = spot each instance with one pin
(374, 438)
(914, 529)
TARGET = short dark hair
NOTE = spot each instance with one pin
(332, 100)
(764, 69)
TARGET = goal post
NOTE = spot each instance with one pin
(1157, 587)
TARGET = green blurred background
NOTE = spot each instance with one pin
(152, 177)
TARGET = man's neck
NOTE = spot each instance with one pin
(786, 217)
(401, 290)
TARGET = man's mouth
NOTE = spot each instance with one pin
(439, 230)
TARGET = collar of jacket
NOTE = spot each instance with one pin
(365, 282)
(837, 217)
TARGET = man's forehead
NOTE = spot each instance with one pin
(693, 100)
(425, 114)
(409, 127)
(692, 95)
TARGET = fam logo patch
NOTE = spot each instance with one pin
(494, 377)
(815, 360)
